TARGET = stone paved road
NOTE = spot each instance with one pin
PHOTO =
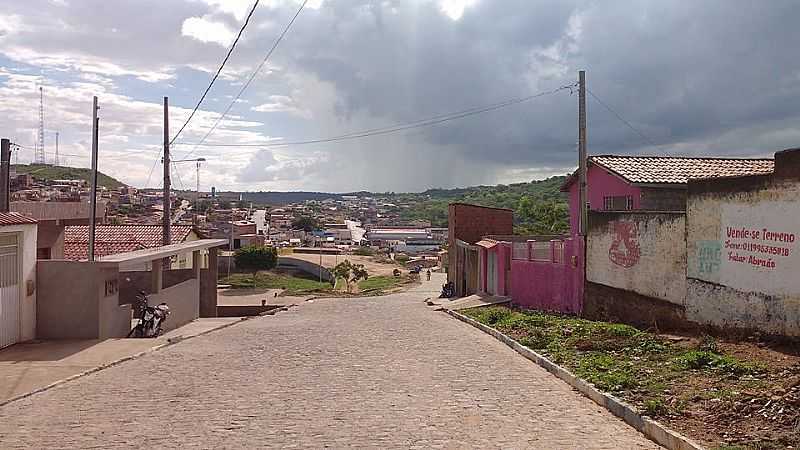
(379, 372)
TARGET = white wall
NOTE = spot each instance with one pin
(640, 252)
(27, 251)
(745, 280)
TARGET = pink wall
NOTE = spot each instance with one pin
(600, 184)
(550, 286)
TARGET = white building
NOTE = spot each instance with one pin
(17, 278)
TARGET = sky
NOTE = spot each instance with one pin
(716, 78)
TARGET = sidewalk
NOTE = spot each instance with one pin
(29, 366)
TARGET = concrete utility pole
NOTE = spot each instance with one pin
(167, 239)
(55, 161)
(5, 170)
(582, 158)
(93, 195)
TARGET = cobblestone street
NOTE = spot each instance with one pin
(373, 372)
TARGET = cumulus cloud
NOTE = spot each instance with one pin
(206, 30)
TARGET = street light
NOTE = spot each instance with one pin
(197, 179)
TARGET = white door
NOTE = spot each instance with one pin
(491, 273)
(9, 290)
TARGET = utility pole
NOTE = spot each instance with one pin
(55, 161)
(93, 195)
(582, 158)
(167, 239)
(5, 170)
(39, 154)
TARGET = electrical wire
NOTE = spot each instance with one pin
(621, 119)
(250, 80)
(216, 75)
(429, 121)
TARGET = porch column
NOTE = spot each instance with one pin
(156, 276)
(208, 285)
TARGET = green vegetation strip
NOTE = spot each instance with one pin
(292, 285)
(381, 283)
(636, 366)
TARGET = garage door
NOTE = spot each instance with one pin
(9, 290)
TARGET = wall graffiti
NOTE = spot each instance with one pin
(624, 250)
(709, 257)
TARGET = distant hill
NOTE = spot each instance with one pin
(49, 173)
(542, 198)
(282, 198)
(539, 206)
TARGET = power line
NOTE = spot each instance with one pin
(221, 66)
(250, 80)
(621, 119)
(429, 121)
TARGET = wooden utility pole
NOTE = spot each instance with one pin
(93, 195)
(5, 173)
(582, 158)
(167, 239)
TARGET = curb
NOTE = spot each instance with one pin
(170, 342)
(649, 427)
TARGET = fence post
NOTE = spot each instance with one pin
(530, 249)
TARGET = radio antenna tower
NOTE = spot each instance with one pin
(39, 157)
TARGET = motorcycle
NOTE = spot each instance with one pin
(151, 318)
(448, 290)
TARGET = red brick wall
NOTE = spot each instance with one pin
(470, 222)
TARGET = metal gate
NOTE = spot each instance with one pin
(9, 290)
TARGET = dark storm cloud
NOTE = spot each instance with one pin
(697, 77)
(683, 72)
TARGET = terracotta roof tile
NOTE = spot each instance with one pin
(679, 170)
(113, 239)
(13, 218)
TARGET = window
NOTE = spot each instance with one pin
(618, 202)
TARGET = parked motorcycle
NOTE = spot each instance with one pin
(151, 318)
(448, 290)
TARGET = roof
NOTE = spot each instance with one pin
(113, 239)
(677, 170)
(13, 218)
(487, 243)
(480, 206)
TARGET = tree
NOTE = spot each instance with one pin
(350, 273)
(254, 258)
(305, 223)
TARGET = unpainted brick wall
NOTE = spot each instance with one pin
(471, 222)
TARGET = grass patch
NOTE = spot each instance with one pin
(268, 280)
(638, 366)
(380, 283)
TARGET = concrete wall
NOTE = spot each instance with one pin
(663, 199)
(641, 252)
(51, 236)
(79, 300)
(743, 239)
(305, 266)
(183, 300)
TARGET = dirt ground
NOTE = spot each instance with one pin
(757, 411)
(373, 267)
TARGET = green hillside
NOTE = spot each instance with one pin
(48, 173)
(539, 206)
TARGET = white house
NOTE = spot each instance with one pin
(17, 278)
